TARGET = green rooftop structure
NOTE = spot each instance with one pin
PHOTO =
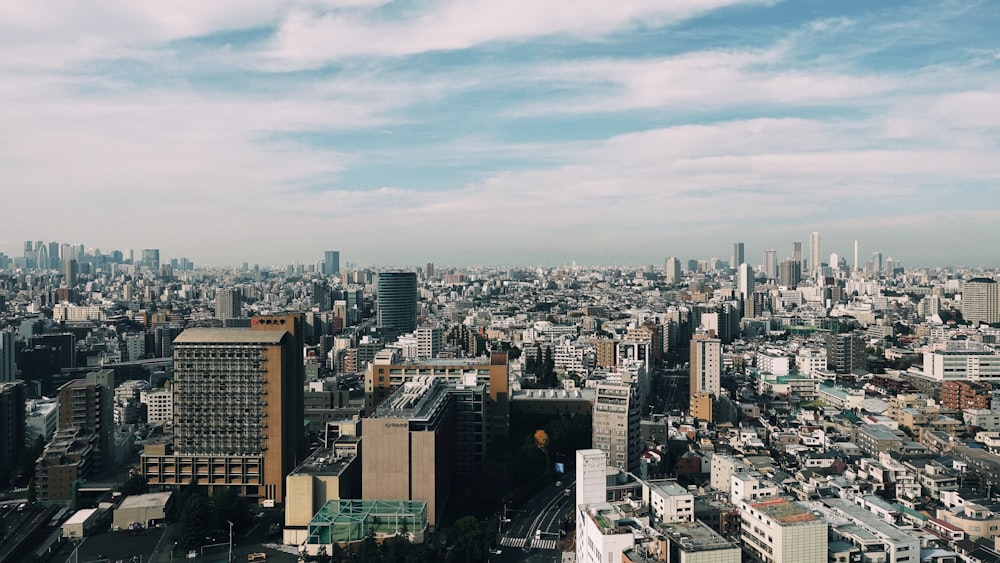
(346, 521)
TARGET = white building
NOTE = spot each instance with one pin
(964, 364)
(774, 362)
(723, 469)
(982, 418)
(41, 418)
(159, 405)
(778, 530)
(810, 360)
(668, 501)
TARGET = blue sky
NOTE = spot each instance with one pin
(516, 132)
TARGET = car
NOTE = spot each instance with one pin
(558, 483)
(568, 492)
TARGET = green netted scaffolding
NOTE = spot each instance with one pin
(343, 521)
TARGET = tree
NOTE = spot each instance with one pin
(195, 518)
(542, 443)
(471, 540)
(134, 485)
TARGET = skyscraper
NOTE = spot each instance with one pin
(797, 252)
(737, 258)
(71, 271)
(672, 267)
(12, 422)
(790, 273)
(746, 280)
(771, 264)
(7, 368)
(876, 262)
(814, 253)
(238, 409)
(397, 303)
(151, 258)
(856, 265)
(331, 262)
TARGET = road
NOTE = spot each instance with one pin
(533, 530)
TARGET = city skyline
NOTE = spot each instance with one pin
(481, 133)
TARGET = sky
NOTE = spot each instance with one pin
(521, 132)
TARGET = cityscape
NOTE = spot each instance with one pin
(808, 406)
(479, 281)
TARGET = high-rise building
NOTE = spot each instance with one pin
(617, 412)
(12, 422)
(151, 258)
(71, 271)
(429, 339)
(797, 252)
(856, 265)
(737, 258)
(846, 353)
(331, 262)
(672, 268)
(238, 409)
(88, 405)
(7, 366)
(876, 262)
(430, 270)
(771, 264)
(746, 280)
(706, 365)
(591, 476)
(814, 254)
(397, 303)
(790, 273)
(412, 446)
(981, 301)
(228, 303)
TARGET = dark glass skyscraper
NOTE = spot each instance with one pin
(331, 262)
(397, 303)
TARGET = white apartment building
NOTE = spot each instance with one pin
(750, 487)
(723, 469)
(868, 533)
(159, 405)
(779, 530)
(810, 360)
(668, 501)
(774, 362)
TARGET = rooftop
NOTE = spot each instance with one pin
(784, 511)
(229, 336)
(147, 500)
(696, 536)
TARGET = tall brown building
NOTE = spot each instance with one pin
(238, 409)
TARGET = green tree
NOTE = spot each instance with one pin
(471, 539)
(134, 485)
(229, 506)
(195, 518)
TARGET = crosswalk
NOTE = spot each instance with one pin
(543, 544)
(512, 542)
(535, 543)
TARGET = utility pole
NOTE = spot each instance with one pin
(230, 541)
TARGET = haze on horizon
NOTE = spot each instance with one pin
(481, 132)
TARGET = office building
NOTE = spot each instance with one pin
(71, 271)
(429, 341)
(746, 280)
(228, 303)
(331, 263)
(238, 409)
(397, 303)
(7, 366)
(981, 301)
(797, 252)
(790, 273)
(389, 371)
(159, 405)
(151, 259)
(695, 542)
(617, 411)
(410, 445)
(962, 364)
(814, 255)
(672, 268)
(12, 423)
(771, 264)
(778, 530)
(737, 259)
